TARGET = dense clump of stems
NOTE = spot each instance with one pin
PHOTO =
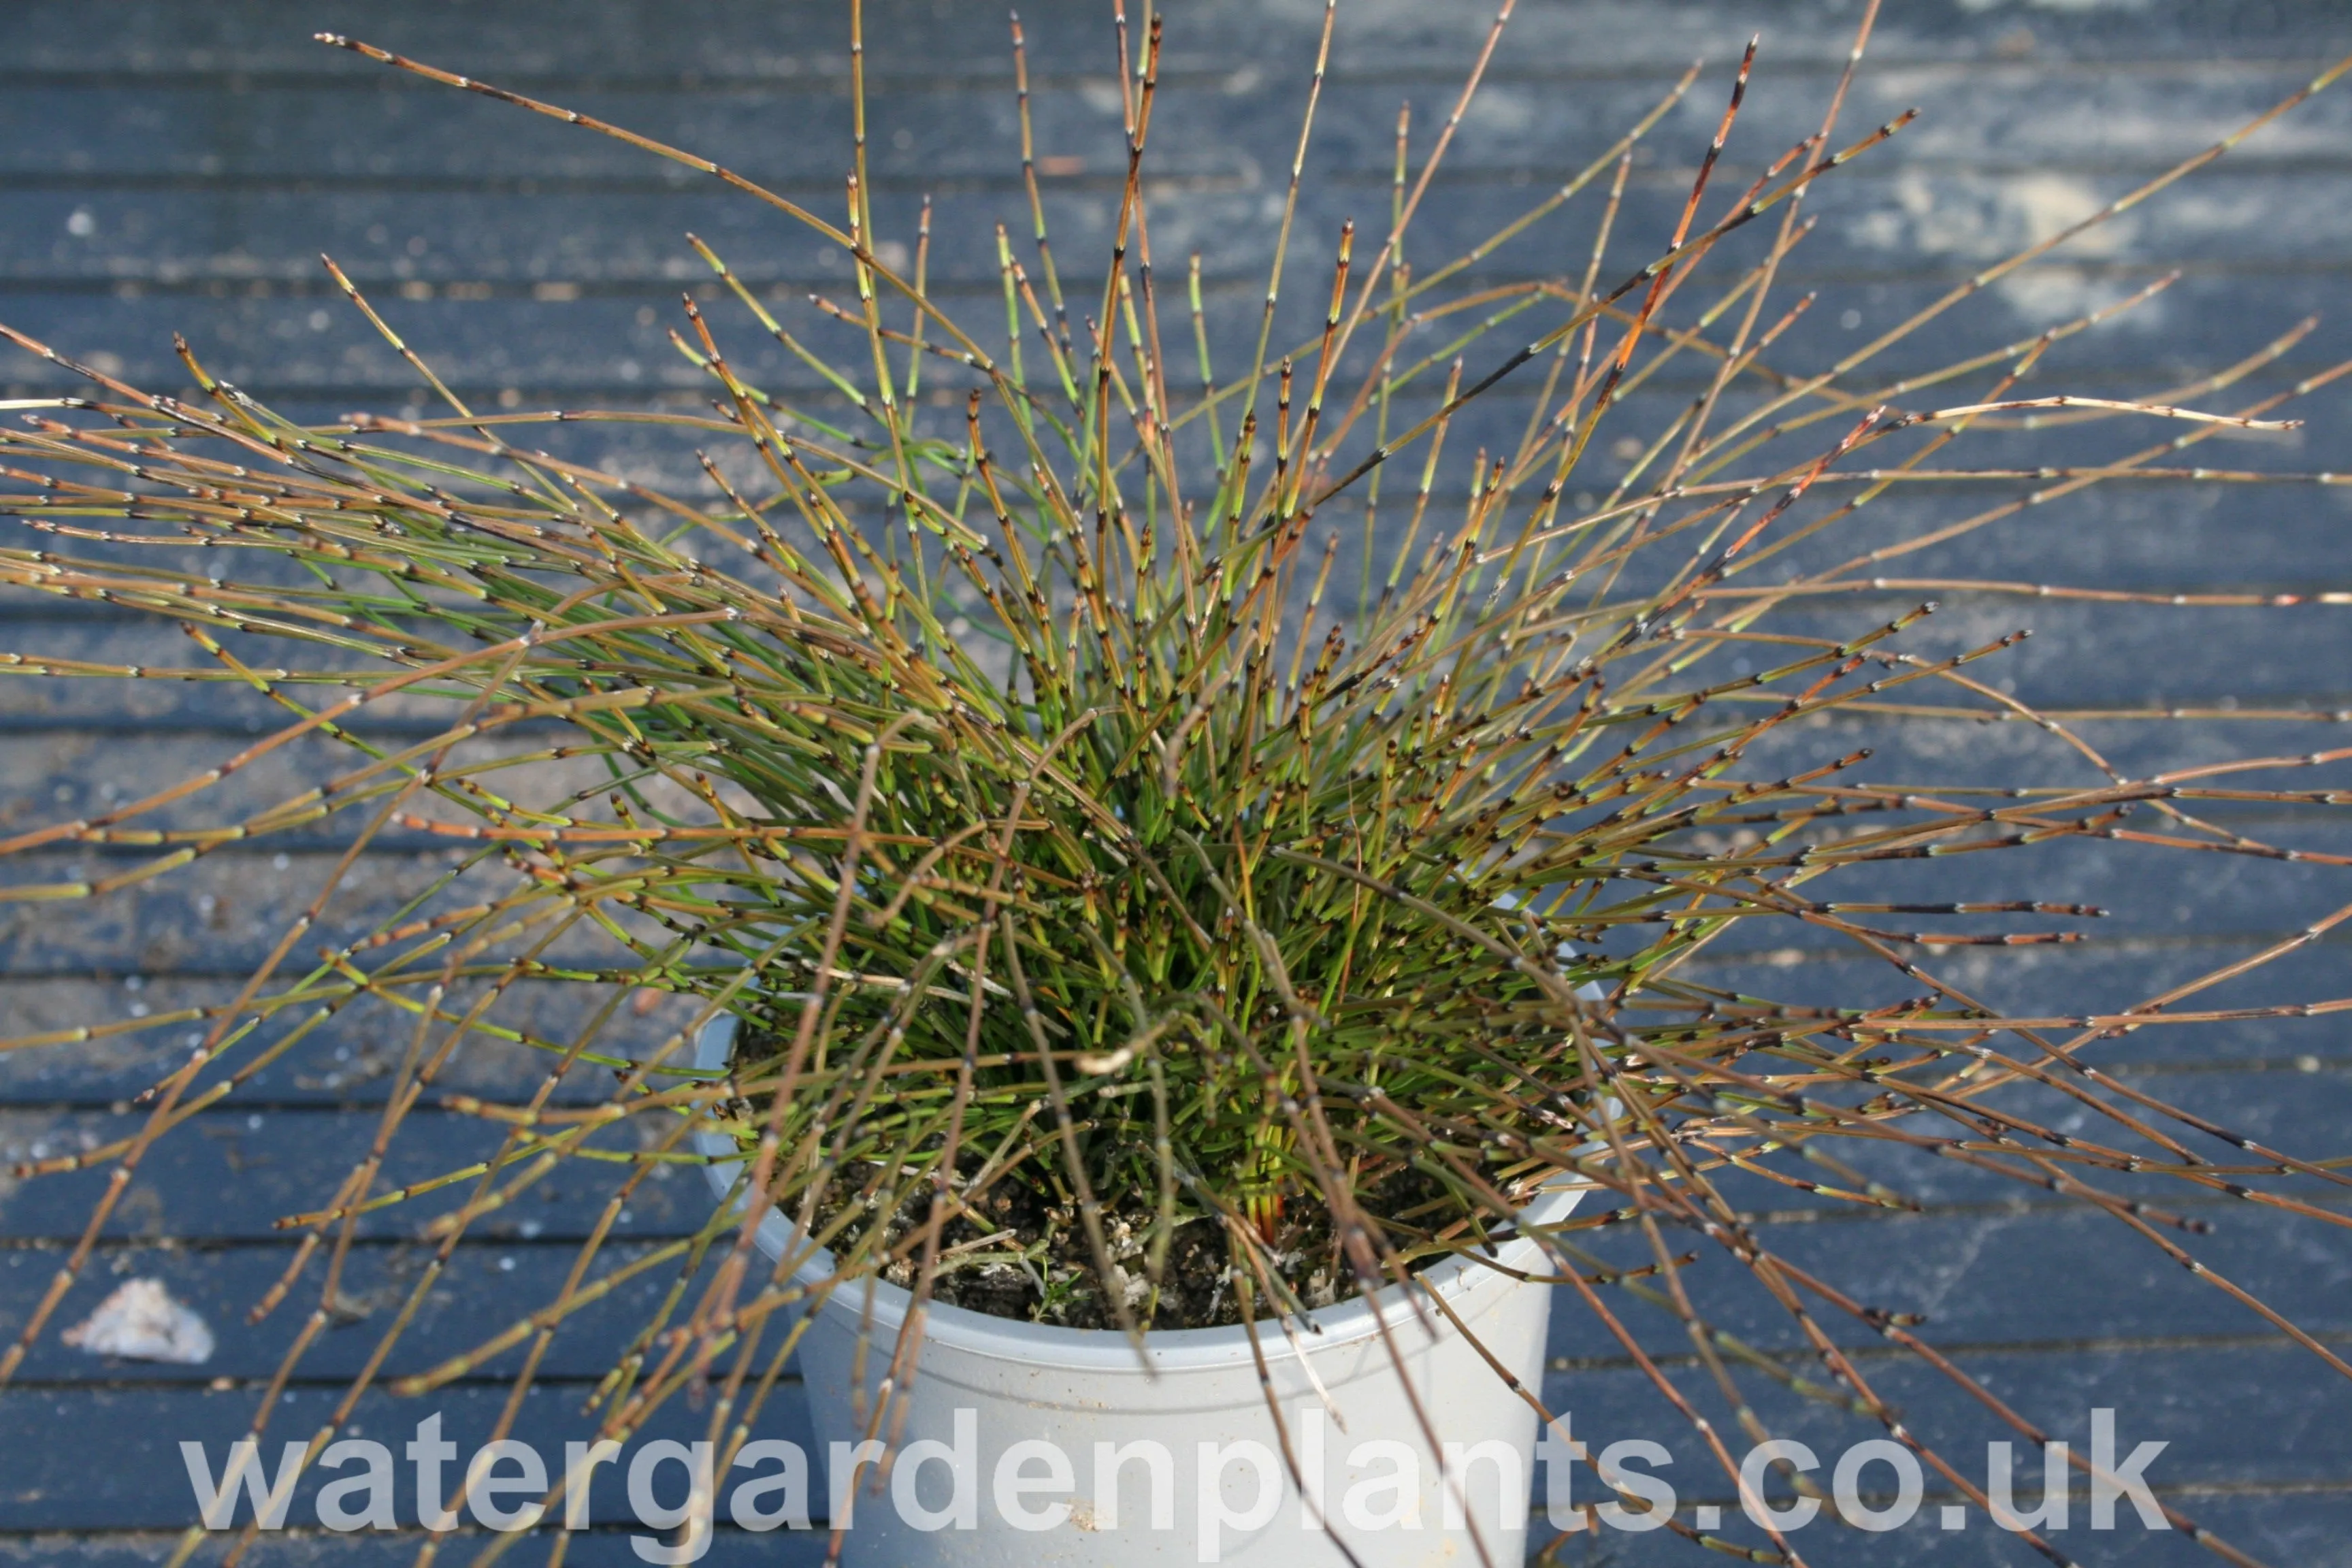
(1092, 770)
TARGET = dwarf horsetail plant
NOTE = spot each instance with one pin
(1159, 798)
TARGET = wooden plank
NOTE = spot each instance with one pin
(397, 131)
(2057, 981)
(114, 1463)
(2228, 1415)
(1981, 1280)
(1880, 216)
(348, 1064)
(484, 1290)
(608, 1546)
(35, 772)
(742, 39)
(221, 1178)
(223, 914)
(2207, 320)
(2245, 1104)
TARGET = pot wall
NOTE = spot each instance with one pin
(1076, 1389)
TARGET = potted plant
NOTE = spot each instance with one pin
(1188, 889)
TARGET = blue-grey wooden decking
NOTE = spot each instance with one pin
(171, 167)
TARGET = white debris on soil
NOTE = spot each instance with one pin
(141, 1320)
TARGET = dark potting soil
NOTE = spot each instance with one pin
(1023, 1252)
(1031, 1258)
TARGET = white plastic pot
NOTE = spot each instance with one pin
(1075, 1388)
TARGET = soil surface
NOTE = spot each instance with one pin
(1021, 1251)
(1031, 1258)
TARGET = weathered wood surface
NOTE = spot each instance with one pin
(175, 167)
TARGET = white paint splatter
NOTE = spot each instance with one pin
(142, 1321)
(1983, 217)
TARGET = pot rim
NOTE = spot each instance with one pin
(883, 1306)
